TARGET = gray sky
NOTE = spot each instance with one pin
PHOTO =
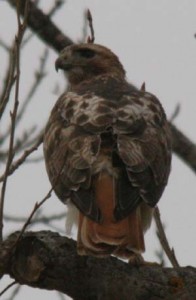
(155, 42)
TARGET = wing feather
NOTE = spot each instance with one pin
(146, 152)
(79, 126)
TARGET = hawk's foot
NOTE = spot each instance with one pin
(137, 260)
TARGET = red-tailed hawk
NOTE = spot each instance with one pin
(107, 149)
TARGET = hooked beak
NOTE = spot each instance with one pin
(58, 64)
(63, 64)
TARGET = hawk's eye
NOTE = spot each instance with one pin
(85, 52)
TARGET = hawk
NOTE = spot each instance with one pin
(107, 150)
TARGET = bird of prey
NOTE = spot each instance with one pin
(107, 150)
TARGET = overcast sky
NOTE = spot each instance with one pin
(155, 41)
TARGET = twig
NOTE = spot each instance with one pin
(15, 292)
(21, 30)
(39, 75)
(21, 144)
(143, 87)
(91, 38)
(41, 219)
(57, 5)
(36, 207)
(20, 161)
(25, 141)
(7, 287)
(175, 113)
(84, 29)
(25, 138)
(35, 160)
(8, 81)
(163, 239)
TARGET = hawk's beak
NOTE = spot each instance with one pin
(63, 63)
(58, 64)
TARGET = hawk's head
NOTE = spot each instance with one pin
(84, 61)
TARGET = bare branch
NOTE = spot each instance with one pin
(56, 6)
(20, 161)
(183, 147)
(21, 143)
(8, 81)
(27, 139)
(44, 27)
(175, 113)
(39, 75)
(91, 38)
(35, 160)
(39, 219)
(7, 288)
(143, 87)
(163, 239)
(15, 292)
(13, 114)
(36, 207)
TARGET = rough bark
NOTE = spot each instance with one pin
(49, 261)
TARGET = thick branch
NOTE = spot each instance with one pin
(184, 148)
(42, 25)
(47, 260)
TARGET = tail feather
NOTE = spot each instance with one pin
(111, 236)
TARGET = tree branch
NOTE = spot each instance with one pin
(163, 239)
(44, 27)
(13, 114)
(15, 165)
(8, 81)
(184, 147)
(47, 260)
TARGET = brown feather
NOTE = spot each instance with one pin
(110, 145)
(110, 236)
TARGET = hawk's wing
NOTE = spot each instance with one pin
(144, 146)
(138, 142)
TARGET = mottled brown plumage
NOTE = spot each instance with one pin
(109, 145)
